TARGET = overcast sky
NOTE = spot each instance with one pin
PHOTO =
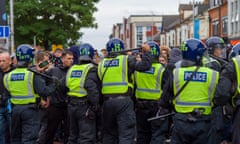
(111, 12)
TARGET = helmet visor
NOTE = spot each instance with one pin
(222, 46)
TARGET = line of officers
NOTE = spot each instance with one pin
(111, 102)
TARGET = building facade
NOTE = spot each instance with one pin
(138, 29)
(218, 18)
(233, 22)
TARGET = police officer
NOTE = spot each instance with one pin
(190, 88)
(116, 72)
(148, 91)
(25, 88)
(228, 89)
(83, 84)
(216, 47)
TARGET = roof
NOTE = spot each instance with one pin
(146, 15)
(168, 20)
(202, 8)
(185, 7)
(173, 24)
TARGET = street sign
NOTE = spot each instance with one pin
(4, 31)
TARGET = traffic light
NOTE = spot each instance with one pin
(3, 15)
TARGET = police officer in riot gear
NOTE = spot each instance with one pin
(25, 88)
(84, 92)
(228, 90)
(148, 91)
(116, 73)
(216, 48)
(190, 88)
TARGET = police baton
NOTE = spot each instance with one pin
(161, 116)
(42, 74)
(222, 61)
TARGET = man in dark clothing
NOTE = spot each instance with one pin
(116, 73)
(42, 59)
(149, 86)
(56, 112)
(25, 89)
(5, 108)
(83, 84)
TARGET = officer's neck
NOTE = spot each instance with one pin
(187, 63)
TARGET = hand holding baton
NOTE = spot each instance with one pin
(54, 79)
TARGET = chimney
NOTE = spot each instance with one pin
(206, 2)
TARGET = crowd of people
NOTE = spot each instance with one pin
(151, 95)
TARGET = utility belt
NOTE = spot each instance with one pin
(115, 96)
(146, 103)
(194, 116)
(30, 105)
(78, 100)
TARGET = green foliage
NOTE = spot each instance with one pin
(52, 21)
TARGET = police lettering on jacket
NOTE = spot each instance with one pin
(76, 74)
(111, 63)
(17, 77)
(198, 76)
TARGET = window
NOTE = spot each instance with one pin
(139, 36)
(220, 2)
(224, 25)
(236, 27)
(215, 2)
(148, 28)
(211, 3)
(148, 38)
(173, 40)
(159, 28)
(139, 29)
(215, 26)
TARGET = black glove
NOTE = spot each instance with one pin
(90, 114)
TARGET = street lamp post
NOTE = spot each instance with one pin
(193, 7)
(12, 26)
(152, 25)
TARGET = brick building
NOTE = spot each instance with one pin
(218, 18)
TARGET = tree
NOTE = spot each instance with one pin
(52, 21)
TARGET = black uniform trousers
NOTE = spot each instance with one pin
(82, 129)
(217, 126)
(51, 118)
(188, 131)
(236, 126)
(119, 120)
(153, 132)
(25, 124)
